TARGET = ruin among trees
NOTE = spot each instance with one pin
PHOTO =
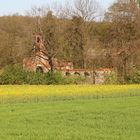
(39, 62)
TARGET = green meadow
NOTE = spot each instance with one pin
(70, 112)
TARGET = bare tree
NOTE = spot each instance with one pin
(121, 9)
(87, 9)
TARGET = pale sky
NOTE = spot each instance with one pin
(22, 6)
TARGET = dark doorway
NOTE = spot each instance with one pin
(39, 70)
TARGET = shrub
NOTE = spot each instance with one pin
(111, 78)
(134, 78)
(54, 78)
(15, 75)
(73, 79)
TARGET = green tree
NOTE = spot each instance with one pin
(51, 37)
(75, 37)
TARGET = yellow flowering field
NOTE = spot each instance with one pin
(41, 92)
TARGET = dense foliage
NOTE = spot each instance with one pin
(134, 78)
(15, 75)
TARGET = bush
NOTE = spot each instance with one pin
(15, 75)
(73, 80)
(134, 78)
(54, 78)
(111, 78)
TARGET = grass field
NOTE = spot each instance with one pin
(70, 112)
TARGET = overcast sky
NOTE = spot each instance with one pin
(21, 6)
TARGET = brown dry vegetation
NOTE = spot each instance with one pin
(74, 36)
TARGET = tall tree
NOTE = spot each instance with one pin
(76, 41)
(122, 34)
(51, 37)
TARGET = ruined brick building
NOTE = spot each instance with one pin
(38, 61)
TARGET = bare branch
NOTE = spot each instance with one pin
(87, 9)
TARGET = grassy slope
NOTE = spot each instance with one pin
(94, 119)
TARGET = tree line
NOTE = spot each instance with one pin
(74, 33)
